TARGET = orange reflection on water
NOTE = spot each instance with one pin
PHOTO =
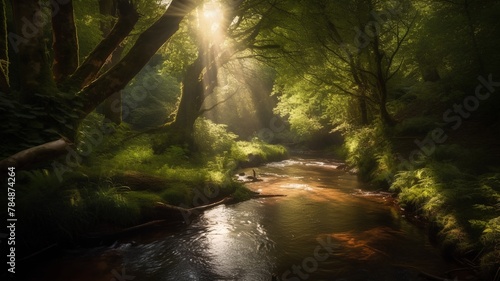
(366, 245)
(291, 187)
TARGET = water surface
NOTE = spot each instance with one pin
(324, 229)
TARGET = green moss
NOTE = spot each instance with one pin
(242, 193)
(177, 194)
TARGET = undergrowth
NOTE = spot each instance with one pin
(122, 178)
(449, 188)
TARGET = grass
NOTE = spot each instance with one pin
(465, 208)
(119, 183)
(266, 152)
(450, 188)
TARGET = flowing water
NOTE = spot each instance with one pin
(325, 228)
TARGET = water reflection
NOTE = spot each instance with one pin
(255, 239)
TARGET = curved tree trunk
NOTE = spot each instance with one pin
(145, 47)
(192, 96)
(89, 69)
(111, 108)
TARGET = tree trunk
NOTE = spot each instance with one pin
(363, 109)
(4, 51)
(200, 80)
(386, 117)
(192, 97)
(30, 46)
(381, 84)
(145, 47)
(65, 42)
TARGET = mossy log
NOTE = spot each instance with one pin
(28, 157)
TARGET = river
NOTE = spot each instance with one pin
(326, 228)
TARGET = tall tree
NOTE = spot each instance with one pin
(201, 76)
(357, 44)
(86, 88)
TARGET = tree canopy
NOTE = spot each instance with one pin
(405, 91)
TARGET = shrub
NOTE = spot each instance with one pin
(416, 126)
(366, 147)
(211, 138)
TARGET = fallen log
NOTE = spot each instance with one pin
(44, 152)
(164, 214)
(161, 215)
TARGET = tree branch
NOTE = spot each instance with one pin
(203, 110)
(399, 43)
(89, 69)
(145, 47)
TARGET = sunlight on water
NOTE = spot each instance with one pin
(255, 239)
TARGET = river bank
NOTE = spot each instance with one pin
(112, 194)
(256, 239)
(454, 189)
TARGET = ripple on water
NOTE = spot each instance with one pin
(254, 239)
(296, 186)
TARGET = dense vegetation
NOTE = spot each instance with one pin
(117, 105)
(411, 87)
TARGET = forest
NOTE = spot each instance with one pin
(122, 115)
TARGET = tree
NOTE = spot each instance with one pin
(82, 88)
(201, 76)
(353, 49)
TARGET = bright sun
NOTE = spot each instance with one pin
(212, 16)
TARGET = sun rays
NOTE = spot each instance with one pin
(226, 80)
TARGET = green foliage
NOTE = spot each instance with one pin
(416, 126)
(491, 240)
(242, 193)
(150, 98)
(370, 152)
(109, 205)
(303, 106)
(67, 209)
(264, 151)
(30, 124)
(178, 193)
(88, 20)
(211, 138)
(222, 151)
(469, 160)
(180, 51)
(418, 190)
(465, 207)
(141, 199)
